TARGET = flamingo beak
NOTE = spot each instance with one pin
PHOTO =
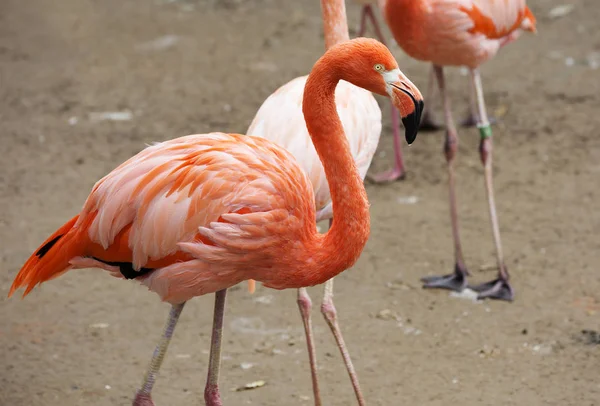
(407, 98)
(412, 120)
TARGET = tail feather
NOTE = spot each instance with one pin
(50, 260)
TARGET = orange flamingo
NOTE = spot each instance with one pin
(280, 120)
(201, 213)
(460, 33)
(428, 123)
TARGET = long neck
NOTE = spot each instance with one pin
(335, 24)
(341, 246)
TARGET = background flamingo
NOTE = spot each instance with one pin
(280, 119)
(428, 123)
(460, 33)
(201, 213)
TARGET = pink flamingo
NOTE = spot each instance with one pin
(201, 213)
(427, 122)
(460, 33)
(280, 120)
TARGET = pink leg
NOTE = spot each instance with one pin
(305, 306)
(397, 172)
(427, 122)
(367, 12)
(457, 280)
(330, 314)
(472, 118)
(212, 396)
(143, 397)
(363, 22)
(499, 288)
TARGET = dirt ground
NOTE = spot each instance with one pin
(190, 67)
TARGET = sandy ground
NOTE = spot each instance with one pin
(190, 67)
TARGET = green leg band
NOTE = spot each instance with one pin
(485, 132)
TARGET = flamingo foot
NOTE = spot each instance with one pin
(498, 289)
(142, 399)
(456, 281)
(388, 176)
(428, 124)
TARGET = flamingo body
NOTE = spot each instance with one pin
(192, 214)
(455, 32)
(465, 33)
(280, 120)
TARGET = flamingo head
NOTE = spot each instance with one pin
(369, 64)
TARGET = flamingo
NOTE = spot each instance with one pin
(427, 122)
(201, 213)
(361, 119)
(461, 33)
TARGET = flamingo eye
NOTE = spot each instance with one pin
(379, 67)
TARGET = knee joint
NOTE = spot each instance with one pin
(328, 310)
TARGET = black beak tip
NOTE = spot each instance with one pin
(412, 122)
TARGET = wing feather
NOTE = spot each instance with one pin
(212, 194)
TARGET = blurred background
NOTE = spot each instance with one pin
(86, 84)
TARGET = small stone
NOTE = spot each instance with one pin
(386, 314)
(99, 325)
(560, 11)
(267, 299)
(263, 67)
(160, 43)
(111, 116)
(251, 385)
(467, 294)
(407, 199)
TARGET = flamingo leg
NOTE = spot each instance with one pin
(427, 122)
(363, 22)
(143, 397)
(500, 287)
(330, 314)
(472, 118)
(367, 12)
(305, 306)
(397, 172)
(212, 397)
(457, 280)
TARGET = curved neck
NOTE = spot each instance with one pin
(341, 246)
(335, 24)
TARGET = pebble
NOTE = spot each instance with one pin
(560, 11)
